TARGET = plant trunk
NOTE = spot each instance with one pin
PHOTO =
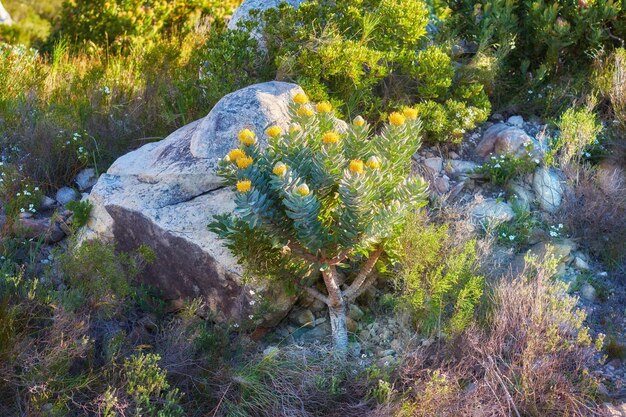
(337, 311)
(339, 328)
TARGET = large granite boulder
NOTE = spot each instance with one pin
(165, 194)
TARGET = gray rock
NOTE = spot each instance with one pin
(242, 13)
(303, 318)
(165, 194)
(517, 121)
(434, 165)
(66, 194)
(548, 189)
(581, 264)
(503, 139)
(491, 212)
(458, 168)
(47, 203)
(44, 228)
(86, 179)
(559, 250)
(588, 292)
(441, 185)
(354, 349)
(355, 312)
(520, 195)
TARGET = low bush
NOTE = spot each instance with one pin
(532, 359)
(371, 57)
(438, 282)
(118, 24)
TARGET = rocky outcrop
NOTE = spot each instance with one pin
(243, 12)
(166, 193)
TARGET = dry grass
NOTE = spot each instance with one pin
(532, 360)
(594, 213)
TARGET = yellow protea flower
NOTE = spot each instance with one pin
(410, 113)
(244, 162)
(247, 137)
(304, 190)
(280, 169)
(294, 128)
(301, 99)
(373, 162)
(274, 131)
(358, 121)
(356, 166)
(396, 119)
(235, 154)
(244, 186)
(324, 107)
(330, 137)
(305, 111)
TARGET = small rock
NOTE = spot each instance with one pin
(560, 250)
(517, 121)
(503, 139)
(492, 212)
(435, 165)
(441, 185)
(270, 351)
(66, 194)
(454, 155)
(304, 318)
(548, 189)
(457, 168)
(355, 312)
(580, 264)
(497, 117)
(42, 228)
(520, 195)
(26, 215)
(588, 292)
(47, 203)
(86, 179)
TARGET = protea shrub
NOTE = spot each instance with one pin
(324, 198)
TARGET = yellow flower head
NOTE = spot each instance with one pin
(324, 107)
(358, 121)
(373, 162)
(396, 119)
(294, 128)
(305, 111)
(244, 186)
(410, 113)
(279, 169)
(244, 162)
(304, 190)
(235, 154)
(274, 131)
(330, 137)
(301, 99)
(247, 137)
(356, 166)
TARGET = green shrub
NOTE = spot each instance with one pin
(118, 23)
(579, 129)
(20, 195)
(146, 384)
(81, 211)
(317, 200)
(501, 169)
(370, 57)
(438, 279)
